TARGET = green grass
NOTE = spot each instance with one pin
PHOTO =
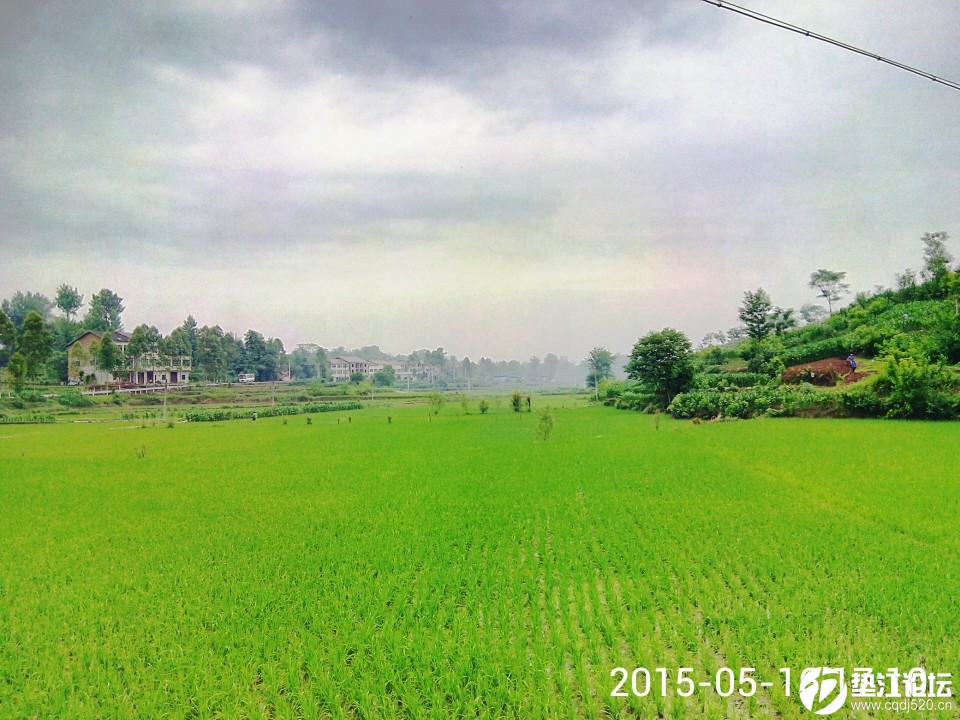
(459, 567)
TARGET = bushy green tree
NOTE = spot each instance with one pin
(764, 356)
(36, 343)
(56, 366)
(144, 340)
(64, 332)
(914, 387)
(192, 335)
(232, 347)
(936, 259)
(321, 364)
(546, 419)
(21, 303)
(945, 337)
(16, 372)
(436, 400)
(103, 312)
(516, 399)
(385, 377)
(8, 339)
(211, 359)
(261, 356)
(302, 366)
(782, 319)
(108, 357)
(599, 367)
(755, 313)
(661, 362)
(69, 300)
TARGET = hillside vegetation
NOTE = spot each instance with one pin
(905, 343)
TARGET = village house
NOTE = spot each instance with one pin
(156, 369)
(343, 366)
(149, 369)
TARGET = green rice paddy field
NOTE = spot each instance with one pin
(462, 567)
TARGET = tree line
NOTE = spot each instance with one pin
(34, 338)
(914, 352)
(34, 341)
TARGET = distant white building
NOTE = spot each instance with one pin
(343, 366)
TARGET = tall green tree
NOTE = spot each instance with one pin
(599, 366)
(321, 363)
(301, 364)
(661, 363)
(261, 357)
(211, 354)
(103, 312)
(16, 372)
(78, 360)
(64, 332)
(176, 344)
(755, 313)
(36, 343)
(22, 303)
(830, 285)
(108, 357)
(57, 367)
(144, 341)
(936, 261)
(385, 377)
(233, 351)
(69, 300)
(193, 336)
(8, 339)
(782, 319)
(277, 357)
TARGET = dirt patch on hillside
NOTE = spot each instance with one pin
(823, 372)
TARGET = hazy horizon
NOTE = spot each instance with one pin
(495, 179)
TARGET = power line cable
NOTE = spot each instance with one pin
(754, 15)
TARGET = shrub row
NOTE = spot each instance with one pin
(26, 419)
(774, 401)
(634, 399)
(908, 388)
(74, 398)
(731, 380)
(248, 413)
(820, 350)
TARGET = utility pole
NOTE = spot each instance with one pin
(165, 382)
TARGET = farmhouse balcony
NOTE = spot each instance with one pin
(145, 363)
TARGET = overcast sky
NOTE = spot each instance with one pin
(506, 179)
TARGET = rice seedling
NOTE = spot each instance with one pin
(463, 567)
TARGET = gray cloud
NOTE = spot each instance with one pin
(659, 157)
